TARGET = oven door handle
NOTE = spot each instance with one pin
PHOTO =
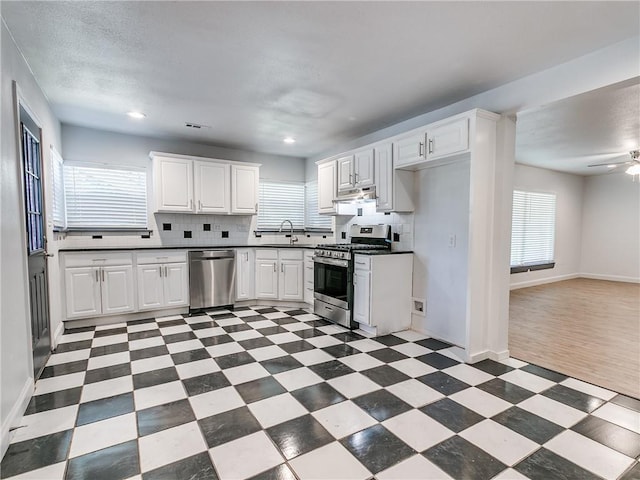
(331, 261)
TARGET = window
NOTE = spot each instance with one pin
(57, 179)
(312, 218)
(280, 201)
(532, 231)
(105, 198)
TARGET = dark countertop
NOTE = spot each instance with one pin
(382, 252)
(208, 247)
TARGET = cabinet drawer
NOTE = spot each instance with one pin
(161, 256)
(363, 262)
(287, 254)
(267, 254)
(97, 259)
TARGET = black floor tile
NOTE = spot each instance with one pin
(284, 320)
(155, 419)
(295, 312)
(149, 352)
(281, 472)
(544, 373)
(49, 401)
(529, 425)
(331, 369)
(179, 337)
(381, 405)
(280, 364)
(202, 325)
(107, 373)
(217, 340)
(253, 318)
(111, 331)
(296, 347)
(309, 333)
(143, 321)
(506, 390)
(259, 389)
(445, 384)
(220, 316)
(155, 377)
(318, 323)
(104, 408)
(255, 343)
(272, 330)
(190, 356)
(389, 340)
(172, 323)
(144, 334)
(228, 426)
(64, 369)
(627, 402)
(377, 448)
(298, 436)
(348, 336)
(234, 360)
(613, 436)
(632, 474)
(384, 375)
(387, 355)
(462, 459)
(73, 346)
(452, 415)
(437, 361)
(573, 398)
(79, 330)
(492, 367)
(266, 310)
(205, 383)
(36, 453)
(113, 463)
(544, 465)
(240, 327)
(318, 396)
(109, 349)
(197, 467)
(433, 344)
(342, 350)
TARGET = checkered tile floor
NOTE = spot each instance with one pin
(265, 393)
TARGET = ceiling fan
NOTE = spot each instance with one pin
(633, 162)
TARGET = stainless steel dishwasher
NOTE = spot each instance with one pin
(212, 278)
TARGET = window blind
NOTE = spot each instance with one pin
(313, 219)
(57, 189)
(281, 201)
(532, 228)
(103, 198)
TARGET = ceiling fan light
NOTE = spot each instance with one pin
(633, 169)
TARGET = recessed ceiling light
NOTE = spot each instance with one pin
(289, 140)
(611, 166)
(136, 115)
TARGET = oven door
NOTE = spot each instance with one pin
(331, 281)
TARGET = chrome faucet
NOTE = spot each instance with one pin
(292, 237)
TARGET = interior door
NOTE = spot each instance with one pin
(36, 243)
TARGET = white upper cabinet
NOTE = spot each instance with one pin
(448, 138)
(173, 184)
(409, 149)
(394, 188)
(212, 182)
(244, 189)
(356, 171)
(345, 173)
(327, 187)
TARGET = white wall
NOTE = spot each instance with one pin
(569, 206)
(440, 271)
(611, 228)
(16, 377)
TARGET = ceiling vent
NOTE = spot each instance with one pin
(196, 125)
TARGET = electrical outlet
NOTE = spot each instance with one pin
(452, 240)
(419, 306)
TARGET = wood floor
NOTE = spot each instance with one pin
(588, 329)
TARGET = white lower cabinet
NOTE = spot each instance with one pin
(361, 296)
(117, 289)
(266, 279)
(308, 276)
(150, 289)
(245, 274)
(279, 274)
(163, 280)
(290, 281)
(82, 292)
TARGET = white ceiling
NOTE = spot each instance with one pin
(322, 72)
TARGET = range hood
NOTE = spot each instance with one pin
(356, 195)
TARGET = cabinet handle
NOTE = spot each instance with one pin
(256, 208)
(166, 271)
(97, 275)
(420, 149)
(431, 145)
(274, 268)
(191, 203)
(160, 271)
(282, 268)
(355, 177)
(246, 256)
(355, 280)
(199, 206)
(102, 274)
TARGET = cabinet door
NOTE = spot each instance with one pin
(212, 183)
(327, 187)
(363, 168)
(245, 274)
(150, 289)
(409, 150)
(244, 189)
(345, 173)
(82, 287)
(361, 296)
(448, 139)
(175, 284)
(384, 178)
(173, 185)
(267, 279)
(290, 282)
(117, 289)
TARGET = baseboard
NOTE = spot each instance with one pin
(611, 278)
(55, 339)
(15, 414)
(543, 281)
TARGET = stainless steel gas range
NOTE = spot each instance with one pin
(333, 271)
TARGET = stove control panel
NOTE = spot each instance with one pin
(342, 255)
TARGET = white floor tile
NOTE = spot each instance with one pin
(411, 335)
(332, 329)
(209, 332)
(76, 337)
(60, 358)
(468, 374)
(216, 401)
(110, 326)
(277, 409)
(170, 445)
(589, 389)
(353, 385)
(158, 395)
(98, 435)
(145, 343)
(330, 462)
(527, 380)
(107, 388)
(312, 357)
(297, 378)
(503, 443)
(412, 367)
(152, 363)
(174, 329)
(413, 468)
(622, 416)
(415, 393)
(197, 368)
(168, 318)
(263, 324)
(588, 454)
(225, 322)
(514, 362)
(245, 335)
(108, 360)
(480, 401)
(143, 327)
(243, 313)
(267, 353)
(306, 317)
(45, 423)
(109, 340)
(456, 353)
(273, 315)
(245, 373)
(343, 419)
(224, 349)
(245, 457)
(296, 327)
(417, 430)
(323, 341)
(178, 347)
(286, 337)
(510, 474)
(411, 349)
(553, 411)
(51, 472)
(63, 382)
(360, 361)
(367, 345)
